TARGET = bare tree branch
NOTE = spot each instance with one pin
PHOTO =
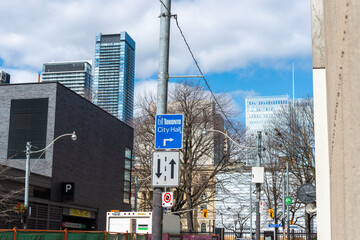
(202, 156)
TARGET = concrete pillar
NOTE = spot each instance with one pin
(321, 122)
(342, 53)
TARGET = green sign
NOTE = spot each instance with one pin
(288, 200)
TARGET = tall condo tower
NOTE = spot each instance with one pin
(75, 75)
(113, 85)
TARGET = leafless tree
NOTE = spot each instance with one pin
(290, 138)
(202, 156)
(233, 200)
(273, 183)
(8, 196)
(239, 219)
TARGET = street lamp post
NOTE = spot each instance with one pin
(27, 172)
(204, 132)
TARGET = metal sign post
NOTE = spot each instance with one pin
(161, 104)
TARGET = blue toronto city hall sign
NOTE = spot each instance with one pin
(169, 131)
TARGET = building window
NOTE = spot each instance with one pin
(28, 123)
(127, 175)
(203, 227)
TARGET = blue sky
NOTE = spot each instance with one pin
(244, 48)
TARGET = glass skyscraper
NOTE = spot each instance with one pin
(75, 75)
(114, 72)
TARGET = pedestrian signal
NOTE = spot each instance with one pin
(204, 213)
(271, 213)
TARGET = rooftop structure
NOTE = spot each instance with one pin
(75, 75)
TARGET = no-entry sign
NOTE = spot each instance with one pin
(167, 199)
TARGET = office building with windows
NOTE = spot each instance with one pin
(114, 71)
(260, 111)
(75, 75)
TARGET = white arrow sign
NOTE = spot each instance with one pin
(165, 169)
(168, 140)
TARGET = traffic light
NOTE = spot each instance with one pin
(204, 213)
(271, 213)
(291, 222)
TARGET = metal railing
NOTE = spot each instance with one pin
(269, 236)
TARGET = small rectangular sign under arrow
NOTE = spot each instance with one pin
(165, 169)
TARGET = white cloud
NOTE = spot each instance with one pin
(243, 93)
(143, 88)
(224, 35)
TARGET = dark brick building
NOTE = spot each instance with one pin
(97, 165)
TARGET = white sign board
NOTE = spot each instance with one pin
(167, 199)
(257, 174)
(165, 169)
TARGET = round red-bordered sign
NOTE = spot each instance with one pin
(167, 197)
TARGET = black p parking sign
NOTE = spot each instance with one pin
(68, 191)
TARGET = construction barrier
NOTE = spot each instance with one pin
(24, 234)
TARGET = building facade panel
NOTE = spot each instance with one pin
(23, 92)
